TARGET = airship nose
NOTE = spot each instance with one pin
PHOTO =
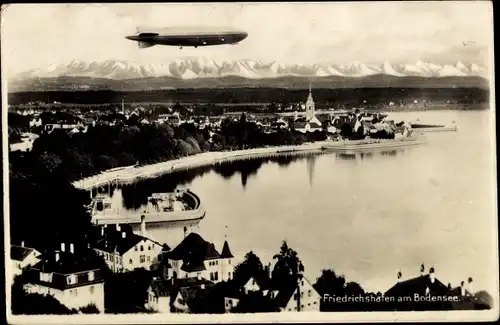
(132, 38)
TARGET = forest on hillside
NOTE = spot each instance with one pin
(322, 97)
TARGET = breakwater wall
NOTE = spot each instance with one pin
(129, 175)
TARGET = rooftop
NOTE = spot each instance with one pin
(19, 253)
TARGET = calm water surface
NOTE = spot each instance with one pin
(367, 216)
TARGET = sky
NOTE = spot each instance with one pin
(35, 36)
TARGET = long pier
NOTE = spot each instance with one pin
(132, 174)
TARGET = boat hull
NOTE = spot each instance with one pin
(362, 145)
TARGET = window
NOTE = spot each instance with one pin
(130, 261)
(301, 295)
(91, 276)
(142, 259)
(253, 282)
(315, 302)
(92, 290)
(135, 249)
(216, 276)
(309, 293)
(302, 282)
(71, 279)
(149, 248)
(46, 277)
(229, 275)
(289, 309)
(148, 258)
(294, 296)
(211, 276)
(301, 306)
(142, 248)
(117, 259)
(229, 261)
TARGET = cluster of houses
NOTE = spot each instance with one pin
(181, 275)
(78, 121)
(184, 275)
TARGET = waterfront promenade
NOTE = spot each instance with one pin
(132, 174)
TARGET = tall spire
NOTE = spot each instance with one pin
(123, 106)
(310, 91)
(226, 252)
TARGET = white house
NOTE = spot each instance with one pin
(124, 251)
(296, 296)
(23, 257)
(194, 257)
(74, 281)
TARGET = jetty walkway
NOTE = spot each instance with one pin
(134, 173)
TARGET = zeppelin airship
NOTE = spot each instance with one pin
(187, 36)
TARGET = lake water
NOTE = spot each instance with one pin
(366, 217)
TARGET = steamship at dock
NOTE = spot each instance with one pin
(179, 208)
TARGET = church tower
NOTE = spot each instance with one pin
(310, 105)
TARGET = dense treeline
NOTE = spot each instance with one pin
(103, 147)
(322, 96)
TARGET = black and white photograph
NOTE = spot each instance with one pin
(249, 162)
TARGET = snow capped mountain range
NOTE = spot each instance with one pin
(193, 68)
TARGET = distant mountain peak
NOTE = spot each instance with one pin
(204, 67)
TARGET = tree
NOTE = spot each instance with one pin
(251, 265)
(330, 283)
(346, 130)
(288, 267)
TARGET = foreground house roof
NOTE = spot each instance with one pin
(194, 248)
(19, 253)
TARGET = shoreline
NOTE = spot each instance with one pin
(132, 174)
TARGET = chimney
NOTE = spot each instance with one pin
(102, 231)
(143, 226)
(432, 276)
(63, 247)
(57, 256)
(124, 234)
(22, 243)
(469, 284)
(422, 269)
(71, 248)
(462, 288)
(269, 271)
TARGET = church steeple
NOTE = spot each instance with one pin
(310, 105)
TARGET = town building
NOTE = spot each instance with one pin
(194, 257)
(76, 281)
(124, 251)
(309, 122)
(175, 295)
(422, 285)
(295, 296)
(22, 258)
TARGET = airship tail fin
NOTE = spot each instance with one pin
(143, 45)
